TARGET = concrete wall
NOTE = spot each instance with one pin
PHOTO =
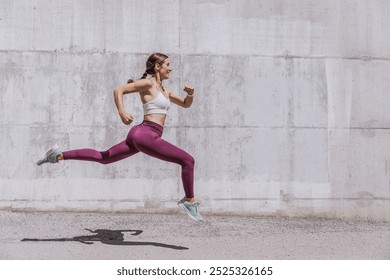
(290, 115)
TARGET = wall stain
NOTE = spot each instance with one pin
(365, 199)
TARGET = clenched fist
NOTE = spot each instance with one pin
(126, 118)
(189, 89)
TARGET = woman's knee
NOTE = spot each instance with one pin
(105, 157)
(189, 161)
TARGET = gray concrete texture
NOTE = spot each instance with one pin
(290, 116)
(177, 237)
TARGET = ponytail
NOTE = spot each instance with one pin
(144, 75)
(129, 81)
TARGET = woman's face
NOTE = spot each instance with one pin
(165, 69)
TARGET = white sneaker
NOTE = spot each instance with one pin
(191, 208)
(50, 156)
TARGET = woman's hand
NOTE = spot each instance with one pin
(126, 118)
(189, 89)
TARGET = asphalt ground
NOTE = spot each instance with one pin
(119, 236)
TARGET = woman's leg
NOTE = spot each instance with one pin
(150, 143)
(118, 152)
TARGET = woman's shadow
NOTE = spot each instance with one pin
(111, 237)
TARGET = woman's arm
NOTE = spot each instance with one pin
(185, 102)
(137, 86)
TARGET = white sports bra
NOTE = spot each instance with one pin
(159, 105)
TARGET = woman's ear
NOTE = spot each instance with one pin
(157, 67)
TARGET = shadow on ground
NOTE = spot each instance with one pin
(110, 237)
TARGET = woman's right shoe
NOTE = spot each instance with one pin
(50, 156)
(191, 209)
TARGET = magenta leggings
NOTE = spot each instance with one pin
(146, 138)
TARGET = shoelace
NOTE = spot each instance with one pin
(195, 204)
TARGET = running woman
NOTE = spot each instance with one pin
(145, 137)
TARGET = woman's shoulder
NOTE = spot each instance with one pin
(146, 83)
(143, 86)
(168, 91)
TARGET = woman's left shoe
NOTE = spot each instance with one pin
(50, 156)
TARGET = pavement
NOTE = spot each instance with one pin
(120, 236)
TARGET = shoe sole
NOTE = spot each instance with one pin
(181, 206)
(47, 154)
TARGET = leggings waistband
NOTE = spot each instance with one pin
(154, 126)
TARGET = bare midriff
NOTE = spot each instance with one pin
(157, 118)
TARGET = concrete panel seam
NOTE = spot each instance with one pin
(104, 51)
